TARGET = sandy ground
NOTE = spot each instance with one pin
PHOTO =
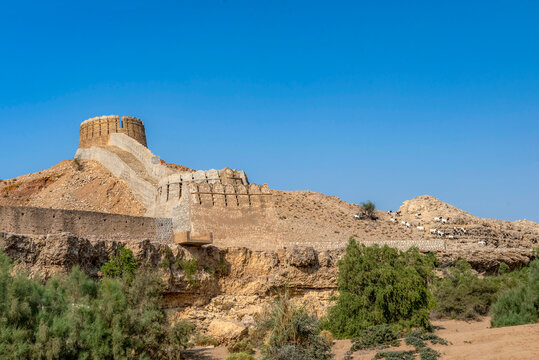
(474, 340)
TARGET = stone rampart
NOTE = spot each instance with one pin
(254, 228)
(96, 131)
(208, 194)
(151, 162)
(87, 224)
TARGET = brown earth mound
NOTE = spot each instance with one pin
(72, 185)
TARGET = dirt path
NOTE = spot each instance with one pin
(473, 341)
(477, 341)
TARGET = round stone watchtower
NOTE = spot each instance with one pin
(96, 131)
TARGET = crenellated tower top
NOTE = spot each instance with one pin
(95, 131)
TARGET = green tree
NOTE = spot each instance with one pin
(71, 316)
(380, 285)
(366, 209)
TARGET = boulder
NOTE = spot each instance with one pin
(302, 256)
(226, 331)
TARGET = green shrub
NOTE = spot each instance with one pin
(288, 332)
(428, 354)
(434, 339)
(77, 165)
(414, 339)
(461, 294)
(240, 356)
(204, 340)
(503, 269)
(376, 336)
(168, 258)
(520, 305)
(380, 285)
(190, 268)
(122, 264)
(509, 296)
(417, 339)
(395, 355)
(223, 266)
(73, 317)
(242, 346)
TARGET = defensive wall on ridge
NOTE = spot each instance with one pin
(86, 224)
(113, 227)
(96, 131)
(221, 202)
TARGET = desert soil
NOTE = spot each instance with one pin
(468, 340)
(85, 186)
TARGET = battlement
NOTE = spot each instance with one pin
(217, 194)
(222, 188)
(96, 131)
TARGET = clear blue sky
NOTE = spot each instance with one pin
(379, 100)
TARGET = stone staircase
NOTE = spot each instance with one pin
(131, 161)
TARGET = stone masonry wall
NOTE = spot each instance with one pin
(96, 131)
(179, 194)
(87, 224)
(151, 162)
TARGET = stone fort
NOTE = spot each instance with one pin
(184, 206)
(96, 131)
(204, 205)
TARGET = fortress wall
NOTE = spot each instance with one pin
(252, 228)
(96, 131)
(87, 224)
(230, 196)
(151, 162)
(237, 215)
(134, 128)
(210, 192)
(177, 207)
(142, 189)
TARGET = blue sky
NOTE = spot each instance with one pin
(379, 101)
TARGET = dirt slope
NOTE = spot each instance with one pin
(85, 185)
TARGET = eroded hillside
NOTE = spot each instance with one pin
(72, 185)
